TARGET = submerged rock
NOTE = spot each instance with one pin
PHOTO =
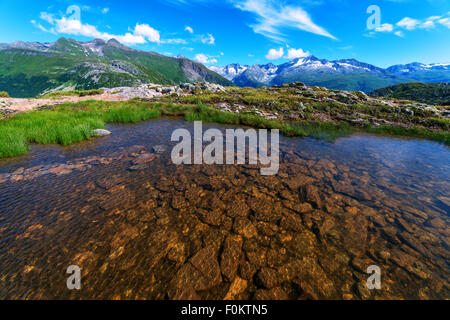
(100, 133)
(159, 148)
(230, 256)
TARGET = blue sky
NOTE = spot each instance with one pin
(244, 31)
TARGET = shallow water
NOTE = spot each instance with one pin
(197, 231)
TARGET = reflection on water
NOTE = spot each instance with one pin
(142, 228)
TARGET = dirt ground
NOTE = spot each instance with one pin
(27, 104)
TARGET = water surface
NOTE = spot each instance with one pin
(154, 230)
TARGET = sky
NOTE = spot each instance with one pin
(220, 32)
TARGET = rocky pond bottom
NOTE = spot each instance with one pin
(140, 227)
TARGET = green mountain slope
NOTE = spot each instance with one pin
(430, 93)
(27, 72)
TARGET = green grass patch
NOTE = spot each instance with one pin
(67, 124)
(4, 94)
(323, 130)
(77, 93)
(415, 132)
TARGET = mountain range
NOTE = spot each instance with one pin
(344, 74)
(28, 69)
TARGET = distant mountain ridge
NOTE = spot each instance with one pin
(344, 74)
(31, 68)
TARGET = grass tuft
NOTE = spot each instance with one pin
(77, 93)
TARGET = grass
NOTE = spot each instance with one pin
(4, 94)
(415, 132)
(77, 93)
(72, 122)
(65, 124)
(325, 130)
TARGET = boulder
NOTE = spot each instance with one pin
(100, 133)
(230, 256)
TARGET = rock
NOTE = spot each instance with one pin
(100, 133)
(202, 272)
(178, 202)
(177, 253)
(159, 148)
(363, 290)
(247, 270)
(307, 292)
(237, 287)
(311, 195)
(437, 223)
(230, 256)
(206, 262)
(186, 294)
(285, 194)
(264, 209)
(267, 277)
(266, 228)
(144, 158)
(212, 217)
(288, 271)
(271, 294)
(258, 258)
(291, 221)
(326, 226)
(238, 208)
(244, 227)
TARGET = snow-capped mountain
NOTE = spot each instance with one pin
(230, 71)
(417, 66)
(26, 45)
(345, 74)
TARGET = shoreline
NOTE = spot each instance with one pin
(296, 110)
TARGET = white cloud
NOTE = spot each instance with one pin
(408, 23)
(202, 58)
(174, 41)
(127, 38)
(272, 17)
(275, 54)
(297, 53)
(445, 22)
(429, 24)
(433, 18)
(208, 39)
(41, 27)
(76, 27)
(47, 17)
(105, 10)
(73, 26)
(385, 27)
(189, 29)
(145, 30)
